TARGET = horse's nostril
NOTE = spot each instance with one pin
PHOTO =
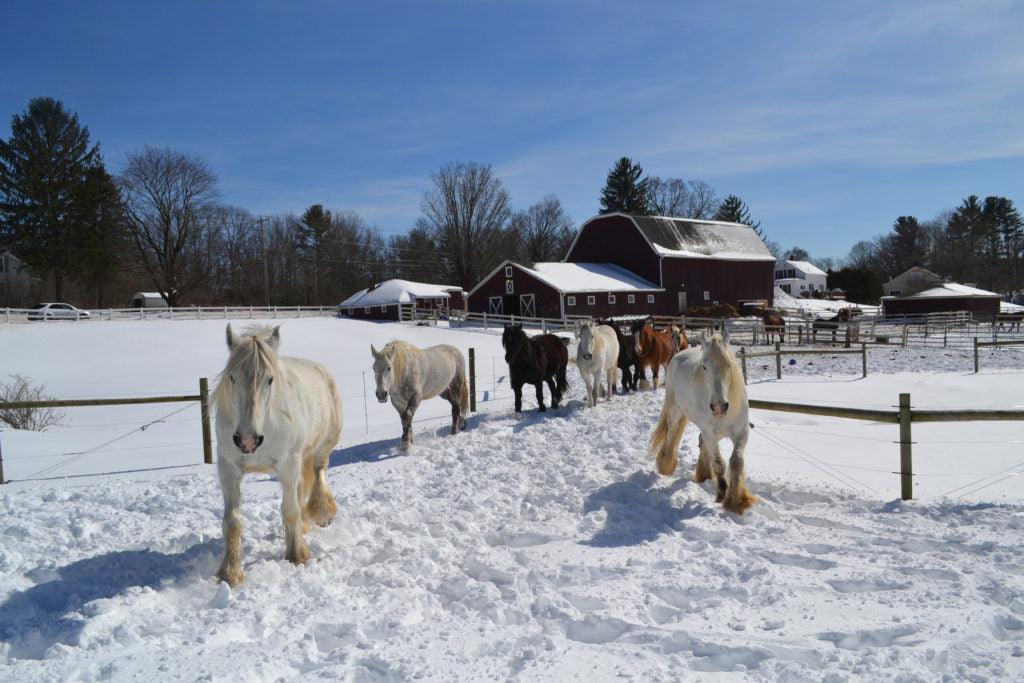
(237, 439)
(259, 441)
(725, 407)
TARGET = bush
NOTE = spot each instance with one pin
(21, 389)
(719, 311)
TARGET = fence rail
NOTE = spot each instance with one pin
(24, 315)
(203, 397)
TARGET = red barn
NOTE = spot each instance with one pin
(555, 290)
(391, 298)
(694, 262)
(944, 298)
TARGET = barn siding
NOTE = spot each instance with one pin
(616, 239)
(980, 306)
(545, 296)
(663, 304)
(727, 282)
(457, 302)
(375, 313)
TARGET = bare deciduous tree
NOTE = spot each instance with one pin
(544, 231)
(169, 199)
(19, 390)
(466, 212)
(680, 198)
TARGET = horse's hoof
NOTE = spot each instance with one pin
(300, 556)
(739, 503)
(542, 409)
(230, 576)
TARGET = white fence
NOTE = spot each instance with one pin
(23, 315)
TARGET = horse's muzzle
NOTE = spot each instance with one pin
(249, 444)
(588, 356)
(382, 397)
(719, 410)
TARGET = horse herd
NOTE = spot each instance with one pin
(282, 415)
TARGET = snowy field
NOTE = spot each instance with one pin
(533, 547)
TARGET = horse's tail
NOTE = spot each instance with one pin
(666, 437)
(562, 382)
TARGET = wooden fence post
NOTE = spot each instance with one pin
(366, 410)
(204, 408)
(906, 461)
(975, 355)
(906, 327)
(778, 360)
(472, 378)
(485, 320)
(743, 362)
(863, 360)
(2, 480)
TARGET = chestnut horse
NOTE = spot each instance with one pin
(774, 324)
(655, 348)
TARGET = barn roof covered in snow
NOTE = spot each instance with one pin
(953, 289)
(581, 277)
(397, 292)
(693, 238)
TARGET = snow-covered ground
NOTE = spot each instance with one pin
(816, 307)
(532, 547)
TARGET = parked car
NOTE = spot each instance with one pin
(56, 312)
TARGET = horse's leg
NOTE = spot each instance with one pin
(321, 507)
(704, 471)
(295, 549)
(654, 371)
(450, 395)
(230, 571)
(611, 381)
(718, 465)
(553, 388)
(517, 389)
(410, 412)
(644, 384)
(738, 498)
(539, 386)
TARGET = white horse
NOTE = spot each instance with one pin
(280, 415)
(410, 375)
(705, 384)
(597, 354)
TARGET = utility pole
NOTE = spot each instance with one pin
(266, 268)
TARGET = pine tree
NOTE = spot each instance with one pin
(625, 189)
(314, 233)
(908, 243)
(965, 231)
(1004, 231)
(43, 168)
(734, 210)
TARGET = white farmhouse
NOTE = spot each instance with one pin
(797, 277)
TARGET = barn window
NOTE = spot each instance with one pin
(611, 298)
(650, 298)
(591, 300)
(707, 295)
(895, 292)
(383, 309)
(508, 271)
(631, 298)
(366, 309)
(509, 287)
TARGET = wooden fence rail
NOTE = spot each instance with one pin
(203, 397)
(905, 416)
(995, 343)
(779, 352)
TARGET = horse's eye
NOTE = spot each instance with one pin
(232, 378)
(270, 380)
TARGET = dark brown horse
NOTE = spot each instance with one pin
(535, 361)
(655, 348)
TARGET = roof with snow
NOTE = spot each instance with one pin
(589, 277)
(948, 289)
(694, 238)
(805, 267)
(397, 292)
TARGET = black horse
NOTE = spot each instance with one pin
(629, 359)
(535, 361)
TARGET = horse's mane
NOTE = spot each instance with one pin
(403, 353)
(251, 356)
(737, 387)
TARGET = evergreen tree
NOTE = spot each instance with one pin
(862, 285)
(625, 189)
(102, 233)
(1004, 231)
(908, 244)
(734, 210)
(313, 235)
(43, 168)
(965, 231)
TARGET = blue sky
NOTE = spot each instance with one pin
(829, 119)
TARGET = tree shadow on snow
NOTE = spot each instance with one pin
(34, 619)
(638, 511)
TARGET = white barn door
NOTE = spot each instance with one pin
(527, 306)
(495, 305)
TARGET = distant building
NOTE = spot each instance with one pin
(911, 281)
(558, 289)
(392, 299)
(148, 300)
(799, 278)
(947, 297)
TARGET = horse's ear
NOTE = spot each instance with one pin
(374, 351)
(274, 339)
(232, 338)
(389, 353)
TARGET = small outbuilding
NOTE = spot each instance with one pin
(911, 281)
(148, 300)
(945, 298)
(799, 278)
(401, 299)
(559, 289)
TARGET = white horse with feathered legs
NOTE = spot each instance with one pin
(278, 415)
(705, 384)
(410, 375)
(597, 358)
